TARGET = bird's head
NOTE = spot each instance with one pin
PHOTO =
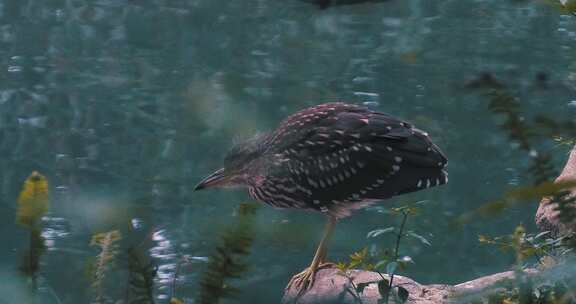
(241, 165)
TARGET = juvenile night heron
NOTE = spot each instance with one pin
(332, 158)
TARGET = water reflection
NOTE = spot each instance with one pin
(164, 251)
(54, 228)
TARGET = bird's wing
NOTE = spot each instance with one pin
(348, 153)
(359, 133)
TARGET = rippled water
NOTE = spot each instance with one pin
(125, 105)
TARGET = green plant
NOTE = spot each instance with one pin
(226, 262)
(141, 274)
(526, 132)
(385, 261)
(31, 206)
(526, 287)
(107, 243)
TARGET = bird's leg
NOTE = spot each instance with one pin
(305, 279)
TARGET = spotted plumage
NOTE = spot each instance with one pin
(334, 158)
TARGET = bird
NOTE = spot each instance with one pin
(332, 158)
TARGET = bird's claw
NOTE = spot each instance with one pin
(302, 281)
(305, 279)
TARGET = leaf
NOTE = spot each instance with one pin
(176, 301)
(354, 263)
(377, 232)
(108, 249)
(381, 264)
(518, 195)
(141, 274)
(359, 256)
(484, 239)
(227, 262)
(360, 287)
(384, 288)
(419, 237)
(569, 6)
(368, 266)
(342, 266)
(402, 294)
(32, 201)
(410, 210)
(391, 268)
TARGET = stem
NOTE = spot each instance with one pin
(355, 293)
(175, 278)
(398, 238)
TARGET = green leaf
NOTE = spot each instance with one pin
(402, 294)
(405, 210)
(519, 195)
(360, 255)
(342, 266)
(377, 232)
(354, 263)
(419, 237)
(381, 264)
(360, 287)
(384, 288)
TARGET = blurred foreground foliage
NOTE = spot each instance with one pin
(32, 206)
(33, 201)
(141, 274)
(226, 262)
(107, 242)
(527, 134)
(555, 278)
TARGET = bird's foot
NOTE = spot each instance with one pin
(305, 279)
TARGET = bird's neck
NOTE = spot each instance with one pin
(256, 181)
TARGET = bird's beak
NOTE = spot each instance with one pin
(215, 179)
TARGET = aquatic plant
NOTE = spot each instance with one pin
(32, 205)
(33, 201)
(569, 6)
(525, 133)
(226, 262)
(550, 250)
(107, 243)
(141, 274)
